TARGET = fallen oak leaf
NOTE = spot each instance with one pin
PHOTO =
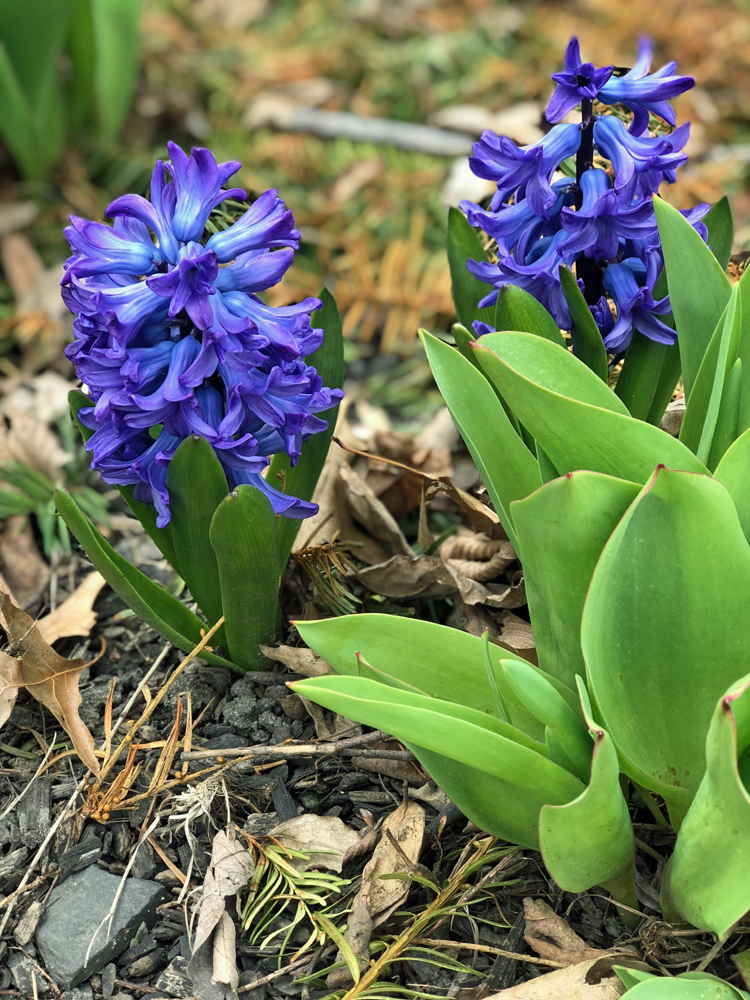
(551, 936)
(50, 678)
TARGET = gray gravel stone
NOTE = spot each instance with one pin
(74, 912)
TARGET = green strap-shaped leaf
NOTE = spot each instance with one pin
(697, 406)
(668, 379)
(145, 512)
(698, 287)
(117, 42)
(577, 435)
(590, 841)
(720, 231)
(640, 375)
(243, 535)
(562, 529)
(301, 480)
(516, 309)
(508, 468)
(147, 599)
(734, 472)
(197, 485)
(464, 244)
(709, 875)
(549, 706)
(462, 734)
(744, 352)
(422, 657)
(687, 986)
(727, 421)
(538, 360)
(588, 345)
(727, 354)
(665, 628)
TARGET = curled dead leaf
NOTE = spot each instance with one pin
(230, 868)
(552, 937)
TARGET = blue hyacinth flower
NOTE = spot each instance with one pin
(170, 333)
(577, 82)
(604, 219)
(631, 286)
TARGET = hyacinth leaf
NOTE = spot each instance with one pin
(546, 469)
(665, 628)
(744, 352)
(197, 485)
(588, 345)
(147, 599)
(720, 228)
(589, 841)
(549, 706)
(727, 421)
(734, 472)
(516, 309)
(243, 535)
(301, 479)
(576, 435)
(641, 371)
(525, 780)
(464, 244)
(115, 26)
(537, 359)
(508, 469)
(709, 877)
(668, 379)
(700, 289)
(463, 340)
(423, 657)
(686, 986)
(145, 512)
(562, 529)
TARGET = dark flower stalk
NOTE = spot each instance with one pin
(602, 222)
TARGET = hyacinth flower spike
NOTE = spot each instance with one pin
(579, 81)
(193, 383)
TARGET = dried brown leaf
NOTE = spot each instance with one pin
(552, 937)
(230, 869)
(50, 678)
(298, 659)
(24, 569)
(326, 839)
(225, 953)
(565, 984)
(76, 615)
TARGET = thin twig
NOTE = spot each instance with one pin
(352, 747)
(275, 975)
(469, 946)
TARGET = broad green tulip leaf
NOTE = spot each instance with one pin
(665, 628)
(562, 529)
(668, 379)
(698, 287)
(508, 468)
(147, 599)
(641, 371)
(538, 360)
(578, 435)
(197, 485)
(463, 734)
(428, 658)
(300, 480)
(243, 536)
(464, 244)
(548, 705)
(516, 309)
(145, 512)
(727, 421)
(734, 472)
(590, 841)
(720, 231)
(709, 874)
(588, 345)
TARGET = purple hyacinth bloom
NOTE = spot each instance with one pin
(631, 286)
(640, 162)
(524, 170)
(170, 333)
(642, 91)
(577, 82)
(603, 219)
(518, 225)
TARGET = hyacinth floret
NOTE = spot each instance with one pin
(172, 339)
(603, 221)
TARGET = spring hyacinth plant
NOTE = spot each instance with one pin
(194, 387)
(635, 546)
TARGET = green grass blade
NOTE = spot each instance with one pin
(464, 244)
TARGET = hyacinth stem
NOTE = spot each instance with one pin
(586, 267)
